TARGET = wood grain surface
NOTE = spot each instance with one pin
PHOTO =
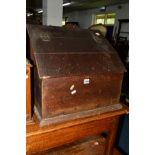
(51, 136)
(28, 92)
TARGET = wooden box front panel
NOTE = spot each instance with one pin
(28, 93)
(72, 94)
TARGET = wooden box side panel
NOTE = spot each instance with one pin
(70, 94)
(36, 82)
(37, 92)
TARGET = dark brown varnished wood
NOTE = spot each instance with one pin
(101, 91)
(74, 70)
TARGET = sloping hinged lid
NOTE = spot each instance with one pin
(61, 52)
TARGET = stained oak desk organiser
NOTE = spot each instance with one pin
(77, 85)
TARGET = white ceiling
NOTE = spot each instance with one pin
(78, 4)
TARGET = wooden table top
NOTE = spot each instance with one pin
(41, 138)
(34, 127)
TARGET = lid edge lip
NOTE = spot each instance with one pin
(79, 75)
